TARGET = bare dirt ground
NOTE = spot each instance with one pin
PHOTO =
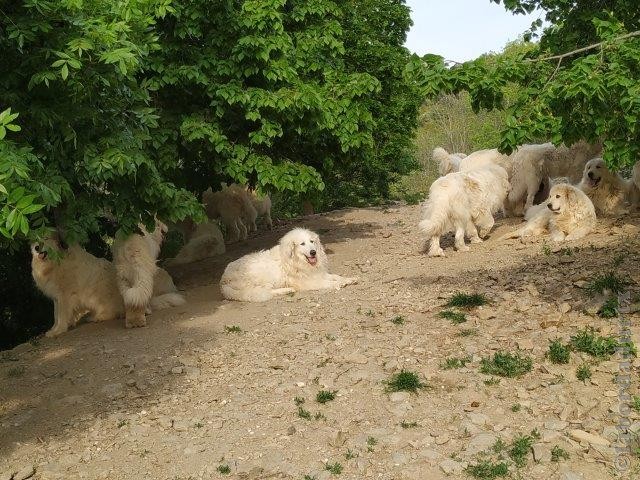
(185, 397)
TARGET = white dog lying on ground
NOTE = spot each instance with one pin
(568, 214)
(447, 162)
(202, 241)
(533, 165)
(607, 190)
(460, 201)
(165, 293)
(78, 283)
(297, 263)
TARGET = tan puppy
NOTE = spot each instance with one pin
(297, 263)
(607, 190)
(135, 261)
(78, 283)
(567, 215)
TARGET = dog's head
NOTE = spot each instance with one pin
(594, 171)
(43, 251)
(561, 197)
(304, 247)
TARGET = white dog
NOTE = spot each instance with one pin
(297, 263)
(262, 206)
(460, 201)
(202, 241)
(567, 215)
(607, 190)
(135, 261)
(447, 162)
(78, 283)
(533, 165)
(634, 193)
(165, 293)
(486, 157)
(233, 207)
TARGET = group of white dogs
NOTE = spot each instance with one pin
(83, 286)
(573, 183)
(471, 190)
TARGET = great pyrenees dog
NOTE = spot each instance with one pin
(481, 158)
(296, 264)
(461, 201)
(568, 214)
(634, 194)
(447, 162)
(262, 204)
(202, 241)
(533, 165)
(607, 190)
(77, 282)
(234, 209)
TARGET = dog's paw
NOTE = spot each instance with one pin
(463, 248)
(54, 332)
(349, 281)
(477, 240)
(439, 252)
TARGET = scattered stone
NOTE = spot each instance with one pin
(541, 453)
(478, 418)
(177, 370)
(451, 467)
(565, 307)
(399, 396)
(6, 475)
(25, 472)
(113, 390)
(582, 436)
(442, 439)
(480, 443)
(571, 476)
(399, 459)
(554, 424)
(358, 358)
(525, 344)
(338, 439)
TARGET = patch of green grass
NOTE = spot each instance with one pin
(405, 381)
(453, 363)
(467, 332)
(490, 382)
(298, 401)
(558, 353)
(520, 448)
(398, 320)
(506, 364)
(325, 396)
(546, 249)
(406, 425)
(333, 468)
(629, 348)
(558, 453)
(583, 372)
(488, 470)
(466, 300)
(516, 407)
(609, 282)
(122, 423)
(636, 403)
(372, 441)
(224, 469)
(609, 309)
(349, 455)
(595, 345)
(302, 413)
(310, 477)
(17, 371)
(232, 329)
(498, 446)
(319, 416)
(454, 317)
(199, 425)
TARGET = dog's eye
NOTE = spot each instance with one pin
(557, 196)
(598, 166)
(302, 244)
(37, 248)
(311, 241)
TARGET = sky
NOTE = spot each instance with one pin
(462, 30)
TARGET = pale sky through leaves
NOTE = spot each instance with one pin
(462, 30)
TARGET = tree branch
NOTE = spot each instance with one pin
(583, 49)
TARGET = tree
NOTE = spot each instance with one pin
(564, 95)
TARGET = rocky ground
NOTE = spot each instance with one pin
(214, 389)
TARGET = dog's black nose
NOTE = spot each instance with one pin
(549, 206)
(312, 253)
(590, 175)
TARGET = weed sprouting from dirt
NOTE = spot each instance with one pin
(333, 468)
(607, 282)
(17, 371)
(609, 309)
(454, 317)
(453, 363)
(558, 353)
(303, 413)
(232, 329)
(224, 469)
(350, 454)
(407, 425)
(516, 407)
(636, 403)
(506, 364)
(487, 470)
(467, 332)
(325, 396)
(583, 372)
(467, 301)
(398, 320)
(558, 453)
(491, 382)
(595, 345)
(521, 446)
(405, 381)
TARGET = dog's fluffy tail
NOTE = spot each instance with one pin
(442, 158)
(167, 300)
(435, 219)
(249, 295)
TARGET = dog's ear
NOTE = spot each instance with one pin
(291, 248)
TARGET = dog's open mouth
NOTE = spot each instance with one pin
(42, 255)
(312, 260)
(593, 182)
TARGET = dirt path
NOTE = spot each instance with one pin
(186, 396)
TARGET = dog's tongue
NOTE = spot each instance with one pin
(312, 260)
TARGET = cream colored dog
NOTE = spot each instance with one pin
(634, 193)
(296, 264)
(481, 158)
(461, 201)
(165, 293)
(567, 215)
(607, 190)
(135, 261)
(447, 162)
(263, 207)
(202, 241)
(231, 207)
(78, 283)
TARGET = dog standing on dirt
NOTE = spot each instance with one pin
(233, 208)
(297, 263)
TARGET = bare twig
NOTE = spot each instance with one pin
(584, 49)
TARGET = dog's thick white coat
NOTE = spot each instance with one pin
(297, 263)
(462, 201)
(165, 293)
(447, 162)
(607, 190)
(202, 241)
(482, 158)
(568, 214)
(234, 209)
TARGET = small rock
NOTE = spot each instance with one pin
(450, 466)
(180, 425)
(485, 313)
(480, 443)
(565, 307)
(338, 439)
(113, 390)
(399, 458)
(478, 418)
(399, 396)
(582, 436)
(177, 370)
(525, 344)
(6, 475)
(131, 382)
(541, 453)
(165, 422)
(571, 476)
(25, 472)
(291, 430)
(554, 424)
(358, 358)
(442, 439)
